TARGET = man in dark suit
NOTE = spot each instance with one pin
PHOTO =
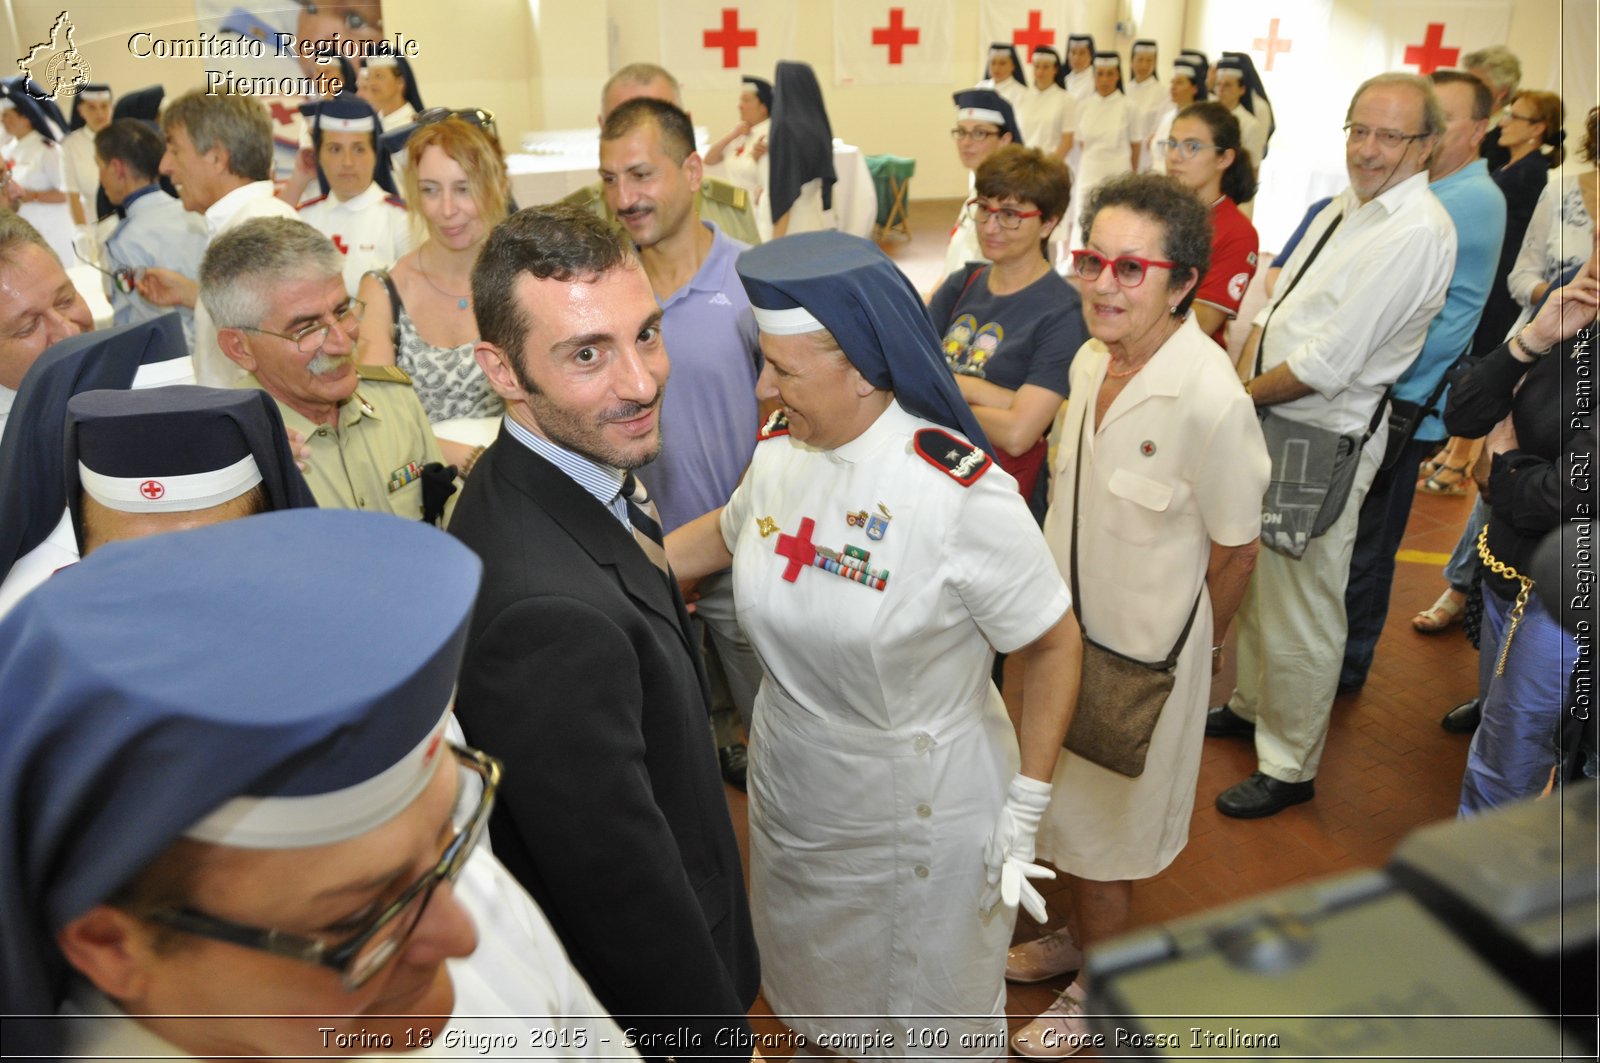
(579, 672)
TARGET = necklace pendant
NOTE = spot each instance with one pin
(461, 303)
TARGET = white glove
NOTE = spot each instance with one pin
(1008, 858)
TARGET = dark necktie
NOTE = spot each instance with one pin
(646, 521)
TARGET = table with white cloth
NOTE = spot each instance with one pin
(881, 749)
(557, 162)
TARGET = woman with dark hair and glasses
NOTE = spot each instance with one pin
(1154, 519)
(1010, 327)
(419, 314)
(1203, 152)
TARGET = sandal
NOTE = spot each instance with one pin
(1441, 615)
(1446, 480)
(1428, 468)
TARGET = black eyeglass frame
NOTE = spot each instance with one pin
(342, 956)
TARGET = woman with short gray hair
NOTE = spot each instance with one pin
(1160, 469)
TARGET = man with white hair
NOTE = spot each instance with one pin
(1349, 317)
(275, 287)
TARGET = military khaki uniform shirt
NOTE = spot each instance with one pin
(372, 460)
(730, 207)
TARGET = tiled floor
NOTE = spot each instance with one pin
(1388, 767)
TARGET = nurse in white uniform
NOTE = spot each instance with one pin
(737, 157)
(1005, 74)
(879, 560)
(359, 209)
(1105, 136)
(36, 187)
(984, 122)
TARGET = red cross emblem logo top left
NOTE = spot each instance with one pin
(152, 489)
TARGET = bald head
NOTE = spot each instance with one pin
(638, 81)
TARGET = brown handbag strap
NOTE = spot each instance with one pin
(1077, 474)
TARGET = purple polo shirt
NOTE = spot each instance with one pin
(709, 418)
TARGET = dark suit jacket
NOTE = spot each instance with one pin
(579, 675)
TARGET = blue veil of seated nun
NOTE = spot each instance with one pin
(848, 286)
(32, 486)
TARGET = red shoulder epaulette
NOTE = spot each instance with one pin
(395, 201)
(311, 202)
(956, 458)
(777, 425)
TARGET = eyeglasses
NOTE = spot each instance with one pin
(122, 278)
(1388, 138)
(311, 339)
(1186, 149)
(1008, 217)
(363, 955)
(1129, 270)
(979, 135)
(476, 115)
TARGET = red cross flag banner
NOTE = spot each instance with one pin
(893, 42)
(1028, 26)
(709, 44)
(1420, 38)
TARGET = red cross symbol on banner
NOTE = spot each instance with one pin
(282, 113)
(152, 489)
(897, 35)
(730, 38)
(798, 549)
(1272, 44)
(1430, 55)
(338, 241)
(1034, 35)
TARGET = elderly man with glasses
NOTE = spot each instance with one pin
(214, 855)
(275, 287)
(1349, 316)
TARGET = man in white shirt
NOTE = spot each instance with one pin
(219, 155)
(1358, 296)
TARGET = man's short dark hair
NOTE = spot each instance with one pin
(1184, 221)
(555, 242)
(134, 143)
(677, 131)
(1482, 98)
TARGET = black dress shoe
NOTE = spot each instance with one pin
(1223, 722)
(1262, 795)
(1463, 719)
(735, 761)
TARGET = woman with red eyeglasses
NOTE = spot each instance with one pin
(1160, 467)
(1011, 325)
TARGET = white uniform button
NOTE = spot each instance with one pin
(921, 743)
(924, 811)
(922, 872)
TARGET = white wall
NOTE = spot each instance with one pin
(539, 64)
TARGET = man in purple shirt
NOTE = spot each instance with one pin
(649, 173)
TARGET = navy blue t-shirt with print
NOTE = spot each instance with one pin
(1027, 337)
